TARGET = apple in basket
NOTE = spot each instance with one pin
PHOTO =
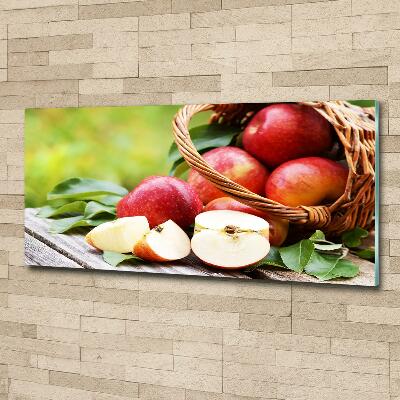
(235, 164)
(308, 181)
(285, 131)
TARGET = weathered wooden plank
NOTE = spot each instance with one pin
(366, 277)
(39, 254)
(71, 251)
(73, 247)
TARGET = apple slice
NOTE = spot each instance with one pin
(165, 242)
(230, 239)
(119, 235)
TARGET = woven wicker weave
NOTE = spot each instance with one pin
(355, 129)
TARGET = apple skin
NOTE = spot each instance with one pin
(278, 228)
(308, 181)
(283, 132)
(160, 198)
(165, 242)
(235, 164)
(143, 250)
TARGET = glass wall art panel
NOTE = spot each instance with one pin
(271, 191)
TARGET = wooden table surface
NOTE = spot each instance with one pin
(71, 251)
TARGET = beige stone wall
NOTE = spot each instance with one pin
(67, 335)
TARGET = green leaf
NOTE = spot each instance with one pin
(65, 224)
(344, 269)
(94, 209)
(328, 246)
(204, 137)
(326, 267)
(46, 211)
(178, 168)
(273, 258)
(112, 258)
(321, 265)
(367, 254)
(363, 103)
(317, 236)
(297, 255)
(109, 200)
(56, 203)
(320, 242)
(354, 238)
(83, 188)
(207, 137)
(76, 207)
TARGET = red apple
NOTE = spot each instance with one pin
(160, 198)
(278, 228)
(283, 132)
(307, 181)
(234, 163)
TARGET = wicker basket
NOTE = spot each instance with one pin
(355, 129)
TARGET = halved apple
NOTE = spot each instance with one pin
(230, 239)
(120, 235)
(165, 242)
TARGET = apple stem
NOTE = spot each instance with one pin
(231, 229)
(159, 228)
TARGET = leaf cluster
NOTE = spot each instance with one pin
(81, 202)
(354, 241)
(314, 256)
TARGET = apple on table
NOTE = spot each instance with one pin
(165, 242)
(230, 239)
(160, 198)
(278, 227)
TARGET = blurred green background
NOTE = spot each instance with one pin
(118, 144)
